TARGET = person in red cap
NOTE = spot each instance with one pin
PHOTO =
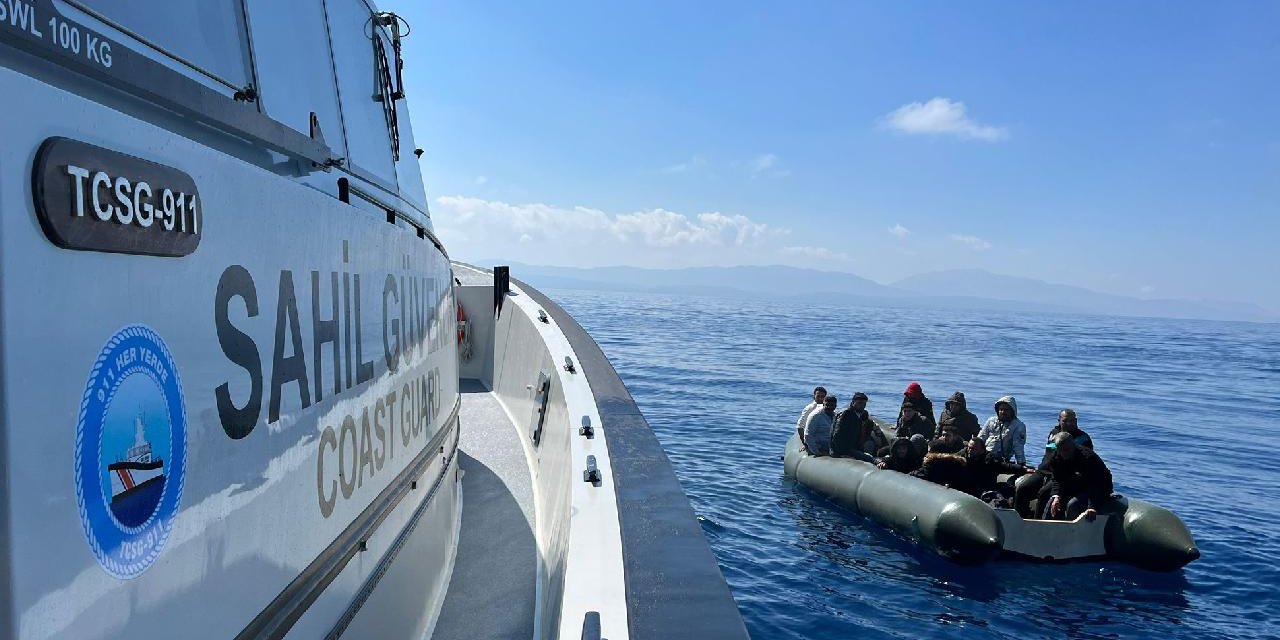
(915, 397)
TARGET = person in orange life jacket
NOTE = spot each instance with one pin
(819, 394)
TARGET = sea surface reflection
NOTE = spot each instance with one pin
(1167, 402)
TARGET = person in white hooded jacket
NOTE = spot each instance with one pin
(1004, 434)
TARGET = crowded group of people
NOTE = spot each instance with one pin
(959, 452)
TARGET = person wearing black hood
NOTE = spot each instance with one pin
(966, 424)
(1079, 481)
(902, 456)
(1035, 485)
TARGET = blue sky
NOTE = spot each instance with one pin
(1129, 148)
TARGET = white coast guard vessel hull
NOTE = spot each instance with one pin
(213, 218)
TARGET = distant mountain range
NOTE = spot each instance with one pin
(976, 283)
(967, 288)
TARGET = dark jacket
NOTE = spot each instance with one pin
(924, 407)
(852, 429)
(939, 445)
(984, 470)
(965, 423)
(901, 457)
(1083, 475)
(966, 429)
(947, 469)
(1082, 440)
(919, 425)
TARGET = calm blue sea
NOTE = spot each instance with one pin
(1184, 412)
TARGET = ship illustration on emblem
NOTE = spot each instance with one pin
(131, 450)
(137, 480)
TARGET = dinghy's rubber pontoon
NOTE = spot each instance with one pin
(967, 530)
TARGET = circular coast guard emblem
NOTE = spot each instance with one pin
(131, 451)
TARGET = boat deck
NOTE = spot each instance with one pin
(491, 594)
(471, 276)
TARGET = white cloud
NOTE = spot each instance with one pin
(764, 162)
(1146, 290)
(899, 231)
(941, 116)
(474, 228)
(684, 167)
(973, 242)
(662, 228)
(480, 180)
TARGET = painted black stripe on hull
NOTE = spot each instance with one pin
(136, 466)
(285, 609)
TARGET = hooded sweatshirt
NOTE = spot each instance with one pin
(965, 423)
(902, 456)
(1005, 439)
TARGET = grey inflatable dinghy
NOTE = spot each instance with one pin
(967, 530)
